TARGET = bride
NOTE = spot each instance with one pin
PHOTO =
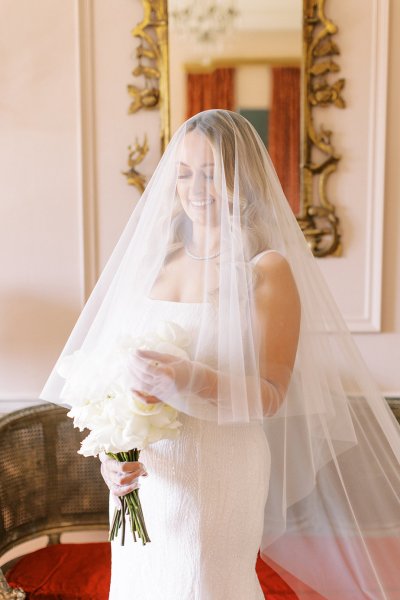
(286, 446)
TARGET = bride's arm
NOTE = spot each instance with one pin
(277, 318)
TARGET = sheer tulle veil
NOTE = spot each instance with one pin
(332, 515)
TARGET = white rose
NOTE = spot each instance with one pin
(169, 331)
(88, 416)
(140, 407)
(108, 439)
(98, 390)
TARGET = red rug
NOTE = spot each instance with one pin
(82, 572)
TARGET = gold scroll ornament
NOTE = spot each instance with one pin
(152, 55)
(318, 218)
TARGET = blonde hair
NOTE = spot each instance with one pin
(231, 137)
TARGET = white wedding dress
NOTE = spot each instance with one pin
(203, 505)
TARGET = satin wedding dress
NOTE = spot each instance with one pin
(203, 545)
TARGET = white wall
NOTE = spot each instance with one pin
(366, 281)
(384, 349)
(64, 137)
(64, 68)
(40, 196)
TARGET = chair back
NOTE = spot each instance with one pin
(46, 488)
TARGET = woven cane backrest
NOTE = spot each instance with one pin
(46, 488)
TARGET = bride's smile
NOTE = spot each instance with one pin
(202, 203)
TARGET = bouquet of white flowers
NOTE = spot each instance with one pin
(121, 422)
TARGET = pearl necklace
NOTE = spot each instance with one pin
(201, 257)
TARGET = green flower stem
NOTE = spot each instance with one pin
(123, 521)
(136, 515)
(130, 504)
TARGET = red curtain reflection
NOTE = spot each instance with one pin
(210, 90)
(284, 131)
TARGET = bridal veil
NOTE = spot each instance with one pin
(332, 516)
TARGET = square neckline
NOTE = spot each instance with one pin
(166, 301)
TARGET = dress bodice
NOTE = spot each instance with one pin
(150, 312)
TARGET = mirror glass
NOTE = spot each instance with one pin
(243, 55)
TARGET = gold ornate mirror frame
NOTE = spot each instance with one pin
(317, 217)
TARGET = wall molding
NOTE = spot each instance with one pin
(370, 319)
(8, 405)
(11, 404)
(87, 180)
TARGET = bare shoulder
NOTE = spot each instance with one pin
(271, 267)
(274, 279)
(271, 258)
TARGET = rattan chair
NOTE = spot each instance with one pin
(46, 488)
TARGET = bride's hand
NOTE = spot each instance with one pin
(140, 383)
(161, 376)
(120, 477)
(147, 397)
(155, 375)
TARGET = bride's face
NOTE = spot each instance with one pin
(196, 183)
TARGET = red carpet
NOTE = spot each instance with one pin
(64, 572)
(273, 586)
(82, 572)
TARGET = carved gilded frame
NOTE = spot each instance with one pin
(317, 217)
(153, 67)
